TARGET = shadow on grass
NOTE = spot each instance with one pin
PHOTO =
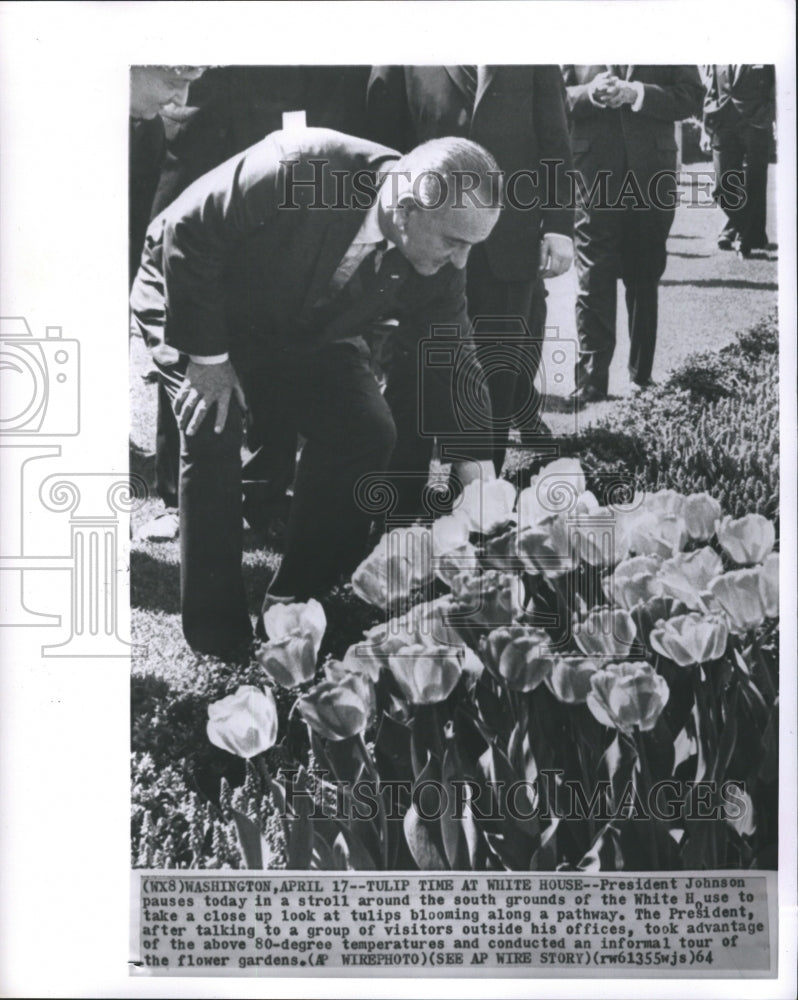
(765, 286)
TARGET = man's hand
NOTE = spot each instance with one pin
(467, 472)
(556, 255)
(705, 142)
(206, 387)
(622, 93)
(602, 87)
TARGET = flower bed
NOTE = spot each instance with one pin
(548, 678)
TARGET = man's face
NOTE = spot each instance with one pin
(433, 237)
(154, 87)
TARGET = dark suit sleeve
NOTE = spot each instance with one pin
(576, 93)
(551, 125)
(387, 111)
(673, 102)
(198, 233)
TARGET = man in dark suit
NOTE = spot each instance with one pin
(739, 111)
(622, 133)
(263, 275)
(519, 114)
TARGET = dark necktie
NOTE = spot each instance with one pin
(470, 79)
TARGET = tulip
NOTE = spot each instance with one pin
(245, 723)
(665, 503)
(429, 623)
(606, 632)
(501, 551)
(460, 560)
(600, 536)
(647, 615)
(289, 661)
(625, 695)
(370, 655)
(336, 671)
(738, 593)
(633, 582)
(690, 639)
(384, 576)
(337, 710)
(487, 505)
(651, 533)
(687, 576)
(548, 548)
(526, 661)
(701, 514)
(769, 585)
(490, 599)
(282, 620)
(492, 645)
(426, 674)
(414, 545)
(555, 490)
(747, 540)
(569, 679)
(450, 532)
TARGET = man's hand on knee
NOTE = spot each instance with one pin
(205, 387)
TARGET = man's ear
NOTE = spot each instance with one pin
(405, 206)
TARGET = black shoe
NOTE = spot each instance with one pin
(725, 243)
(587, 394)
(638, 387)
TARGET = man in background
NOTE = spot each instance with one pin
(518, 113)
(739, 113)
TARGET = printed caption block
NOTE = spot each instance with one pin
(707, 924)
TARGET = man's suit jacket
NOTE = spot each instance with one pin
(621, 140)
(742, 93)
(242, 259)
(518, 114)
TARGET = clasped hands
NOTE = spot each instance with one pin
(609, 91)
(206, 388)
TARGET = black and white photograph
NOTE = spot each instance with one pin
(449, 480)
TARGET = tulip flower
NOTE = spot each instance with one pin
(491, 598)
(606, 632)
(244, 723)
(555, 490)
(747, 540)
(664, 503)
(370, 655)
(633, 582)
(687, 576)
(769, 585)
(282, 620)
(426, 674)
(569, 679)
(450, 532)
(384, 576)
(460, 560)
(701, 514)
(647, 614)
(414, 545)
(548, 548)
(625, 695)
(337, 671)
(526, 661)
(651, 533)
(289, 661)
(428, 623)
(600, 536)
(739, 595)
(690, 639)
(501, 551)
(487, 505)
(338, 710)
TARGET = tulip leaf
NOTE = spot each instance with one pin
(727, 741)
(322, 854)
(392, 748)
(545, 857)
(459, 832)
(493, 709)
(253, 846)
(421, 825)
(426, 740)
(350, 852)
(605, 853)
(769, 761)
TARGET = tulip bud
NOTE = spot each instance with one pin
(690, 639)
(606, 632)
(487, 504)
(338, 710)
(289, 661)
(687, 576)
(701, 514)
(548, 548)
(633, 582)
(426, 674)
(569, 679)
(738, 809)
(282, 620)
(244, 723)
(747, 540)
(625, 695)
(526, 661)
(769, 585)
(738, 593)
(492, 645)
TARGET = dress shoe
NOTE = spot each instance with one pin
(587, 394)
(638, 387)
(725, 243)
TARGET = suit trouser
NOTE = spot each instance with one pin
(744, 149)
(627, 243)
(333, 399)
(509, 320)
